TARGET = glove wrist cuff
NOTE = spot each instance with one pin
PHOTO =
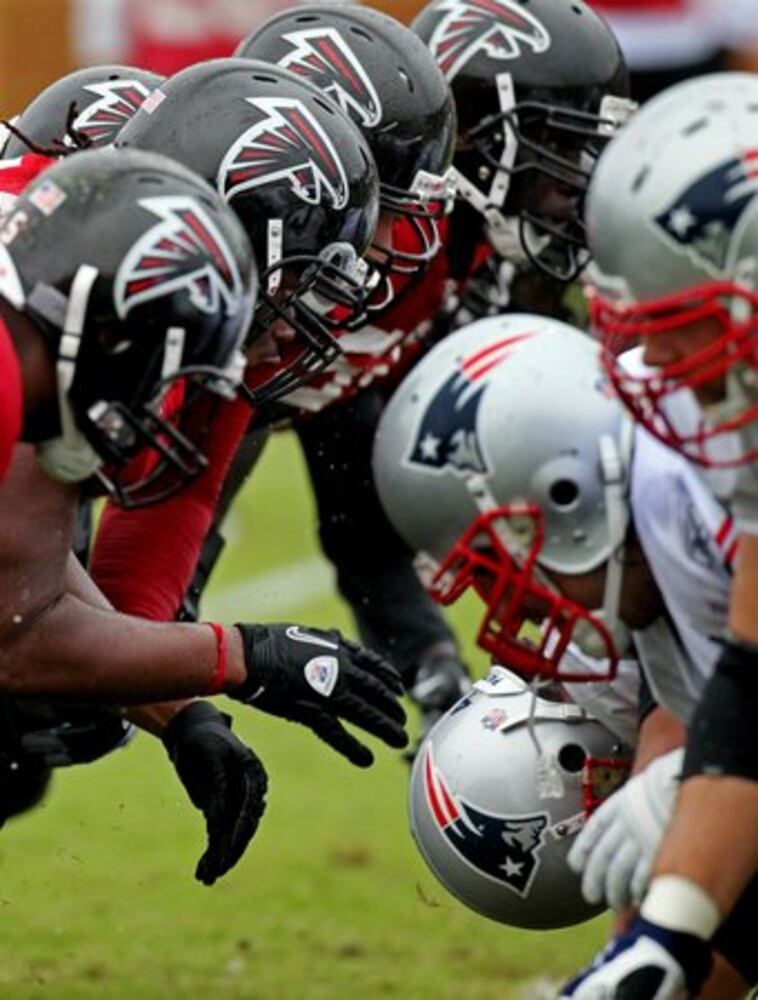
(195, 714)
(677, 904)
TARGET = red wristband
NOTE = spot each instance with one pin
(216, 683)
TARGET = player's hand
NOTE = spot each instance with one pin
(317, 677)
(224, 780)
(647, 963)
(616, 849)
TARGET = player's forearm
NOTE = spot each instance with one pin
(711, 840)
(659, 733)
(77, 652)
(743, 598)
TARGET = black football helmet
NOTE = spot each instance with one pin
(539, 87)
(382, 75)
(141, 281)
(83, 109)
(302, 181)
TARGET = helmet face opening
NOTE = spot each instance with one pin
(536, 88)
(538, 159)
(515, 592)
(156, 448)
(306, 300)
(692, 403)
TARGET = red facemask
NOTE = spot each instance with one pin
(648, 396)
(515, 591)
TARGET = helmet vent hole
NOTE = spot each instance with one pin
(324, 105)
(306, 18)
(261, 78)
(640, 179)
(405, 78)
(564, 493)
(576, 10)
(572, 758)
(361, 33)
(695, 127)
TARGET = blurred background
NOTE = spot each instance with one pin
(41, 40)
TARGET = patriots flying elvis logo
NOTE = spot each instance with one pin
(324, 58)
(704, 219)
(502, 29)
(504, 848)
(184, 250)
(286, 145)
(118, 101)
(447, 437)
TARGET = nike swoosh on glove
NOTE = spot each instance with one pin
(225, 780)
(616, 849)
(317, 677)
(649, 962)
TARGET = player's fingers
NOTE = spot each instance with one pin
(593, 879)
(373, 719)
(331, 731)
(619, 874)
(590, 834)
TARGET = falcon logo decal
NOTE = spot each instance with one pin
(502, 29)
(287, 146)
(705, 219)
(118, 101)
(184, 250)
(505, 849)
(447, 437)
(325, 59)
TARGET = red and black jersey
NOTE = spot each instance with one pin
(14, 177)
(16, 174)
(11, 399)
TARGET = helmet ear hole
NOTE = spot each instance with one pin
(564, 493)
(571, 757)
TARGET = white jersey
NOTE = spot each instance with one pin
(690, 542)
(614, 703)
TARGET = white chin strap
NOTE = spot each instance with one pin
(502, 231)
(70, 458)
(615, 461)
(274, 251)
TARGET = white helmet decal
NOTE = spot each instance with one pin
(500, 28)
(287, 144)
(184, 250)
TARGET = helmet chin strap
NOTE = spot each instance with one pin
(502, 231)
(614, 463)
(70, 457)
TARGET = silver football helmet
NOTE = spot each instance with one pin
(672, 216)
(503, 454)
(483, 819)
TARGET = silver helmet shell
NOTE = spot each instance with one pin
(671, 203)
(505, 446)
(672, 217)
(520, 402)
(477, 812)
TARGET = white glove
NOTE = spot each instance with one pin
(649, 962)
(616, 849)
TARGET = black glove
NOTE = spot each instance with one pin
(224, 780)
(315, 677)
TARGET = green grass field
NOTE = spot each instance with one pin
(97, 898)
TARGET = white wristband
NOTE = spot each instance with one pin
(678, 904)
